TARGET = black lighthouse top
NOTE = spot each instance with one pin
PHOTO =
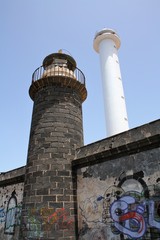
(60, 59)
(58, 69)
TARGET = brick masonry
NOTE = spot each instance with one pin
(56, 132)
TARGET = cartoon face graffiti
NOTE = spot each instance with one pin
(110, 196)
(128, 217)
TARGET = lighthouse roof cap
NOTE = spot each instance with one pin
(50, 58)
(105, 30)
(106, 33)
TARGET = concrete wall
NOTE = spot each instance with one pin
(11, 192)
(118, 186)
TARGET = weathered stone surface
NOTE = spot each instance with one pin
(117, 167)
(11, 197)
(56, 133)
(124, 169)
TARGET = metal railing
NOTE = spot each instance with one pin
(51, 71)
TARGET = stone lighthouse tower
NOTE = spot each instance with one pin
(58, 90)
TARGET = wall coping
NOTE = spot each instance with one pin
(135, 140)
(13, 176)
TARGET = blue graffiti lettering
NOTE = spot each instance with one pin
(2, 215)
(99, 198)
(152, 222)
(128, 216)
(131, 223)
(10, 220)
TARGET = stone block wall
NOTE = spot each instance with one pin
(11, 197)
(116, 192)
(118, 186)
(49, 190)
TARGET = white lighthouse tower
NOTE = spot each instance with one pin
(106, 43)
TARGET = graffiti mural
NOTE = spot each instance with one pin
(128, 210)
(10, 210)
(46, 219)
(134, 212)
(92, 206)
(62, 219)
(128, 217)
(11, 214)
(2, 215)
(38, 219)
(132, 217)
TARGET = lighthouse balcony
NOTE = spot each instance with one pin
(58, 71)
(58, 75)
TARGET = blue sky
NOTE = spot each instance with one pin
(32, 29)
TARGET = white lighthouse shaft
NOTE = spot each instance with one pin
(106, 43)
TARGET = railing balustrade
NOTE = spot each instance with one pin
(52, 71)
